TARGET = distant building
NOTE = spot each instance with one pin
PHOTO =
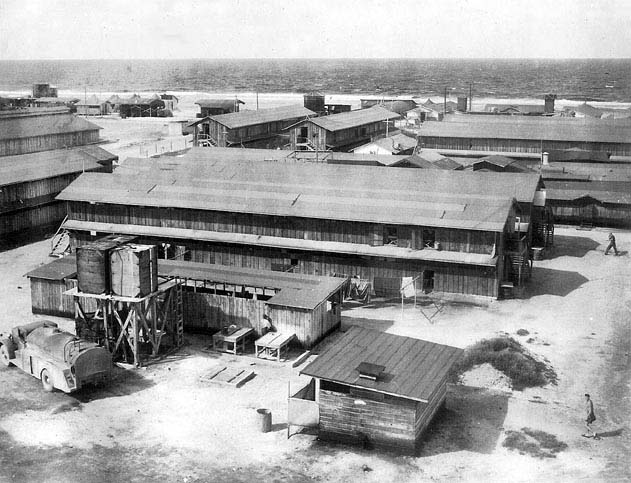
(218, 105)
(44, 90)
(426, 159)
(93, 107)
(260, 128)
(396, 143)
(498, 164)
(337, 107)
(398, 105)
(137, 106)
(526, 134)
(34, 130)
(341, 132)
(170, 101)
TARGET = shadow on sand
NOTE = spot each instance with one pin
(548, 281)
(572, 246)
(610, 434)
(472, 420)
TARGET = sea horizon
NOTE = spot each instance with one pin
(585, 80)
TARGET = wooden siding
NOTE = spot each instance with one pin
(38, 217)
(22, 195)
(47, 298)
(577, 212)
(210, 312)
(36, 143)
(223, 136)
(310, 326)
(384, 274)
(205, 311)
(520, 145)
(322, 139)
(469, 241)
(388, 423)
(425, 412)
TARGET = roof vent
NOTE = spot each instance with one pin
(370, 371)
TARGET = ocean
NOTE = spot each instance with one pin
(575, 80)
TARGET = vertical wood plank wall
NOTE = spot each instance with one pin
(34, 144)
(388, 423)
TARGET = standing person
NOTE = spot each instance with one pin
(590, 417)
(612, 244)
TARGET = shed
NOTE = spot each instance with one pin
(214, 106)
(378, 388)
(48, 284)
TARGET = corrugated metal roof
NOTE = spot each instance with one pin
(352, 193)
(56, 270)
(351, 119)
(219, 102)
(43, 125)
(414, 368)
(48, 164)
(234, 120)
(385, 251)
(536, 128)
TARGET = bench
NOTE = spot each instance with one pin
(272, 344)
(230, 342)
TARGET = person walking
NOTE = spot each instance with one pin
(612, 244)
(590, 417)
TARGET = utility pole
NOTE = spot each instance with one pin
(445, 103)
(470, 96)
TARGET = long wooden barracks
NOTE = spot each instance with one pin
(527, 134)
(32, 130)
(29, 184)
(456, 232)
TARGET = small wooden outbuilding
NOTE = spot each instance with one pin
(379, 389)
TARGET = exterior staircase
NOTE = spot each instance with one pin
(60, 242)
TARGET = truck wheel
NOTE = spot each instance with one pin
(47, 382)
(4, 356)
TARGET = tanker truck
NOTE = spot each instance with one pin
(59, 359)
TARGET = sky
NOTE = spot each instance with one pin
(178, 29)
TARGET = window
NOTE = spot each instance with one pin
(429, 237)
(390, 235)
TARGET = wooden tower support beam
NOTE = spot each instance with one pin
(128, 322)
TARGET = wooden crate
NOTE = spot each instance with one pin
(134, 270)
(93, 263)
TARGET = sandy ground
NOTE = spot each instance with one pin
(165, 423)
